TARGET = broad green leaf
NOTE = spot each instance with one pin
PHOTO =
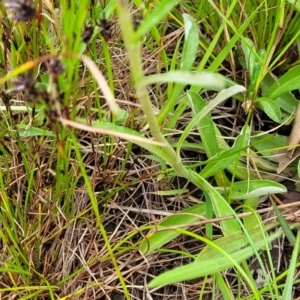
(258, 64)
(218, 256)
(122, 117)
(205, 126)
(252, 188)
(249, 52)
(238, 168)
(271, 108)
(221, 207)
(286, 101)
(240, 171)
(208, 80)
(130, 135)
(266, 144)
(227, 157)
(219, 163)
(154, 17)
(191, 43)
(206, 129)
(288, 82)
(155, 240)
(33, 131)
(231, 244)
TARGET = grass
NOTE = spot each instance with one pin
(138, 150)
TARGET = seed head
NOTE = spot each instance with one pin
(55, 67)
(20, 10)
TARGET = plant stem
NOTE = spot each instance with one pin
(134, 52)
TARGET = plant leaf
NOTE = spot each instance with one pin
(207, 80)
(33, 131)
(288, 82)
(253, 188)
(249, 52)
(227, 157)
(289, 283)
(223, 95)
(285, 227)
(221, 255)
(206, 129)
(271, 108)
(191, 43)
(158, 239)
(154, 17)
(189, 52)
(286, 101)
(221, 207)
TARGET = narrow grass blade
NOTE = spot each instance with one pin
(223, 286)
(288, 232)
(289, 283)
(220, 257)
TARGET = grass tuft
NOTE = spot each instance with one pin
(140, 145)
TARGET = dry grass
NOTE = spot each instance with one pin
(54, 224)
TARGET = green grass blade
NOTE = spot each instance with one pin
(288, 232)
(220, 257)
(288, 287)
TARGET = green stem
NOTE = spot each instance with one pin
(134, 52)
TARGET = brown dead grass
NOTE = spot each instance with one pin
(70, 241)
